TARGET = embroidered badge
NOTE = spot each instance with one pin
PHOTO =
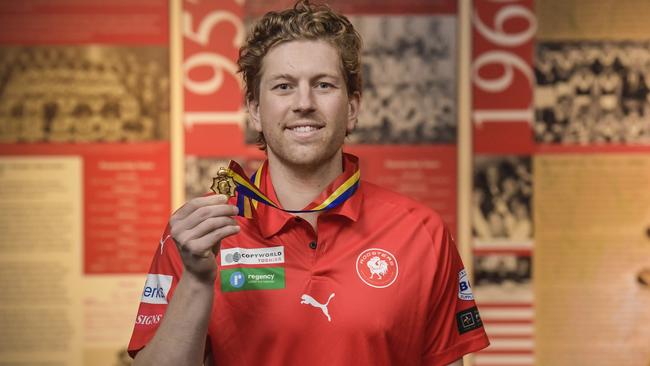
(377, 267)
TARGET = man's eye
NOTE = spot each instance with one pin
(324, 85)
(282, 86)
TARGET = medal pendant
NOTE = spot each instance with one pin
(223, 183)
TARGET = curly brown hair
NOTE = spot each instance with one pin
(304, 21)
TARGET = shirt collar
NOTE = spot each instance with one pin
(271, 220)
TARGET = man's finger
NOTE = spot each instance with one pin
(201, 246)
(203, 213)
(206, 226)
(198, 202)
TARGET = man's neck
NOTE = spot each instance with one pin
(296, 187)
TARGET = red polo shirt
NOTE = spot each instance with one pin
(379, 283)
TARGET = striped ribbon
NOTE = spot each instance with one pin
(249, 193)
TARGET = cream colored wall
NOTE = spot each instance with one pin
(590, 221)
(593, 19)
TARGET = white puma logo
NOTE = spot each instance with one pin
(162, 243)
(306, 299)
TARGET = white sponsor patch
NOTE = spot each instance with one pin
(156, 289)
(464, 289)
(232, 256)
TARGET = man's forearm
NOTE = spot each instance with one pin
(180, 339)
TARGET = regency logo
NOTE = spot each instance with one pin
(241, 279)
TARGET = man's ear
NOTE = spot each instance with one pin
(354, 103)
(253, 107)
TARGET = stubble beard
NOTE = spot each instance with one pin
(306, 159)
(301, 164)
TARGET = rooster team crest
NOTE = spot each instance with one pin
(377, 267)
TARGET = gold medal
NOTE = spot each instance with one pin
(233, 178)
(223, 183)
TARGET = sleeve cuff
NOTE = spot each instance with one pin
(457, 351)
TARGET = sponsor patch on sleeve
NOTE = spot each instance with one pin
(146, 320)
(468, 320)
(464, 289)
(156, 288)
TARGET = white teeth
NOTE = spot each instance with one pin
(304, 129)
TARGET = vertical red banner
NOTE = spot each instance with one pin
(212, 35)
(502, 75)
(503, 81)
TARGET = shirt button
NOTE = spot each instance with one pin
(313, 245)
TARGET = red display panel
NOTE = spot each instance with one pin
(31, 22)
(424, 173)
(126, 200)
(90, 78)
(126, 206)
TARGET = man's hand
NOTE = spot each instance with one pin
(198, 228)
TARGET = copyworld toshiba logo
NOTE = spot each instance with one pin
(156, 289)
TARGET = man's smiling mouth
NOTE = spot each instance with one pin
(304, 128)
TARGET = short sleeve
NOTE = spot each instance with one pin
(454, 326)
(163, 276)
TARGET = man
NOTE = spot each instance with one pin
(376, 280)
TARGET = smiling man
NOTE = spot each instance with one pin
(341, 272)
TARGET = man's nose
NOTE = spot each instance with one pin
(304, 99)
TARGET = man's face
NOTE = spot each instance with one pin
(304, 109)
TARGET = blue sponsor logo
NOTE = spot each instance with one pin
(237, 279)
(154, 292)
(464, 288)
(156, 288)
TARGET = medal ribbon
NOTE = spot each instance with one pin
(248, 191)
